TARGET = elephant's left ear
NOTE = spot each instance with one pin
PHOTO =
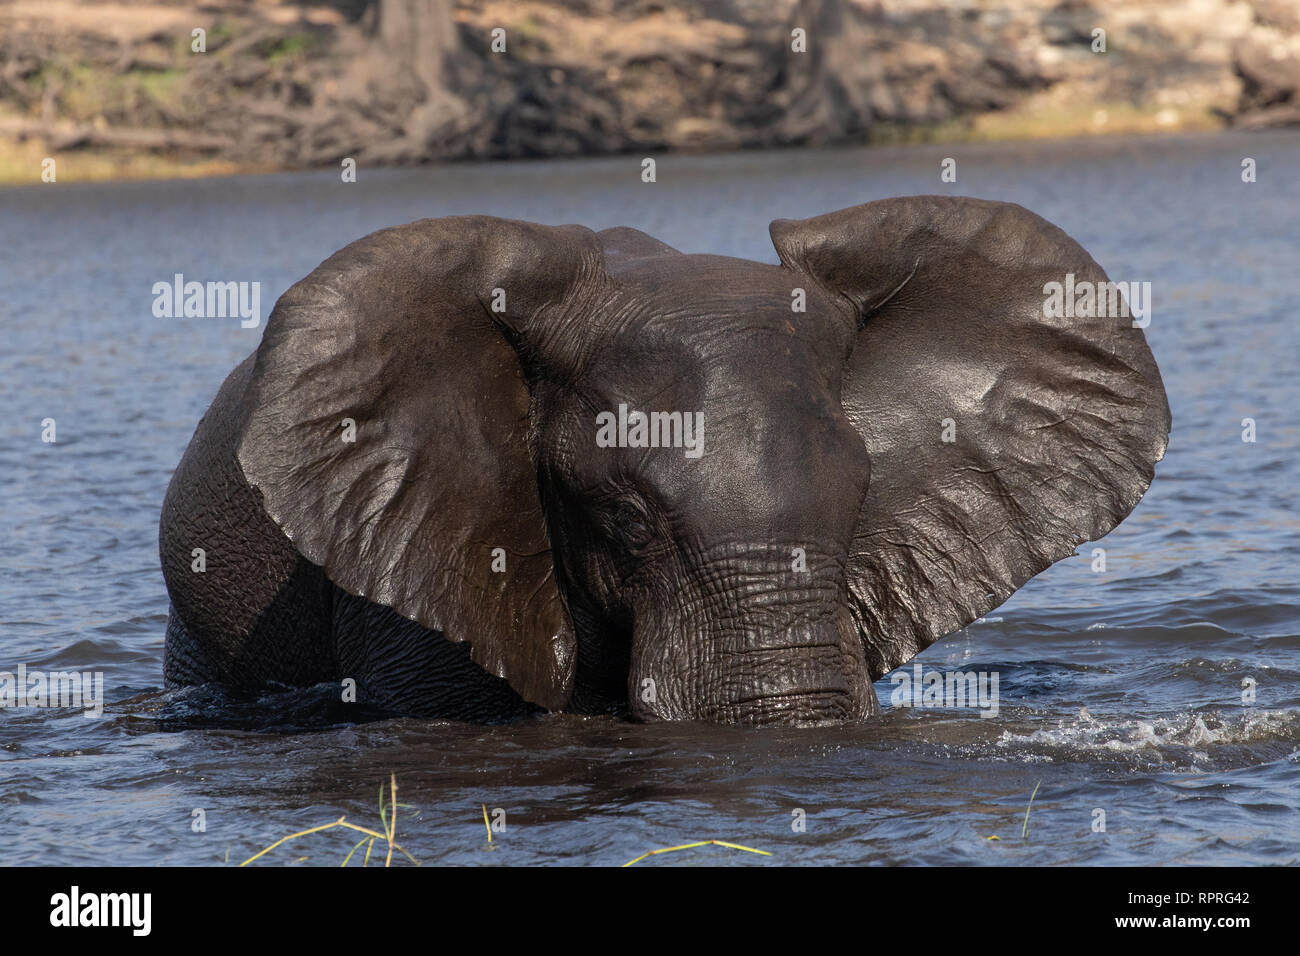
(1010, 413)
(388, 431)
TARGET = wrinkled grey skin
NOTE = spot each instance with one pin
(826, 534)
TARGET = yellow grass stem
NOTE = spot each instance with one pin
(389, 835)
(1025, 829)
(393, 832)
(687, 846)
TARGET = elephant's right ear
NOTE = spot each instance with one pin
(388, 431)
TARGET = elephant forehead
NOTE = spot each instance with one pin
(707, 285)
(699, 432)
(714, 311)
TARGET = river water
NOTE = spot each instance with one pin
(1121, 693)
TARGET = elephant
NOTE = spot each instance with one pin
(483, 468)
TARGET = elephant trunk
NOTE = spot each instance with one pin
(808, 673)
(780, 658)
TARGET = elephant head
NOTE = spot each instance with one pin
(694, 486)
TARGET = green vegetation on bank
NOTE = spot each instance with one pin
(20, 163)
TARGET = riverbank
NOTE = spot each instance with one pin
(121, 90)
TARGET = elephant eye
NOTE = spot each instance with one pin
(631, 525)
